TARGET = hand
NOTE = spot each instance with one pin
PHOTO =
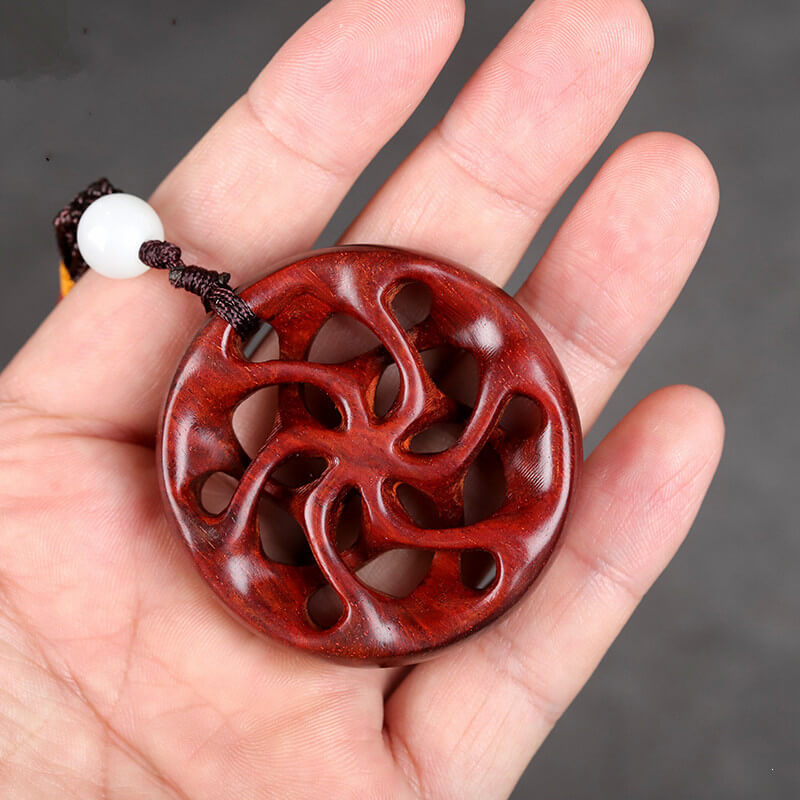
(121, 673)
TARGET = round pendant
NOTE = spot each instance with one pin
(480, 511)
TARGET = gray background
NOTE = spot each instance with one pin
(699, 697)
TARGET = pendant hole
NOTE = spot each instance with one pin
(324, 607)
(478, 569)
(254, 419)
(387, 391)
(522, 418)
(412, 304)
(350, 523)
(320, 406)
(396, 572)
(282, 537)
(455, 372)
(436, 439)
(420, 508)
(262, 346)
(341, 338)
(217, 491)
(484, 487)
(298, 470)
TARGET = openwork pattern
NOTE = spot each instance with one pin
(410, 494)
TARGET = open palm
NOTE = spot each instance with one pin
(121, 674)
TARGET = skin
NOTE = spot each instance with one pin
(120, 674)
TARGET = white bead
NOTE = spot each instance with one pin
(111, 231)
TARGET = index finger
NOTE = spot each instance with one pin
(260, 185)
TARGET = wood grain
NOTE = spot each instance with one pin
(373, 455)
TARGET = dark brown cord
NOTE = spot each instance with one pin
(210, 286)
(66, 225)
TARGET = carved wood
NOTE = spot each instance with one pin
(372, 455)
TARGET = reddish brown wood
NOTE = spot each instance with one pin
(371, 454)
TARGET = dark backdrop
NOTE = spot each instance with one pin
(699, 698)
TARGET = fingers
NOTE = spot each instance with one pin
(620, 259)
(261, 184)
(466, 724)
(478, 187)
(264, 181)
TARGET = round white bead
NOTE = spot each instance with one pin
(111, 231)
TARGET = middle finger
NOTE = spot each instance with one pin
(478, 187)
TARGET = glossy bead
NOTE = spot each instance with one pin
(111, 231)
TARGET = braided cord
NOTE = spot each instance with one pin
(210, 286)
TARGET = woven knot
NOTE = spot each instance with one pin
(208, 284)
(199, 281)
(161, 255)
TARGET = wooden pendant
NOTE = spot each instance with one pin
(411, 497)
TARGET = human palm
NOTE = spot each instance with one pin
(122, 675)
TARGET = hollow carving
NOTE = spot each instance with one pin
(326, 417)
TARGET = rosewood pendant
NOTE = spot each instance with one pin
(328, 413)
